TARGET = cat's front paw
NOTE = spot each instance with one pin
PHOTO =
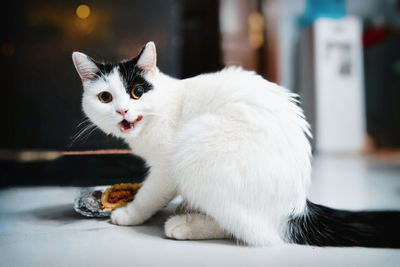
(126, 216)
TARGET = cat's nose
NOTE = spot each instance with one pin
(122, 112)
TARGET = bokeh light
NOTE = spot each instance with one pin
(256, 30)
(83, 11)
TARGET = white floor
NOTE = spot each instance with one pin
(38, 227)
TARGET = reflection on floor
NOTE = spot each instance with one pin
(38, 227)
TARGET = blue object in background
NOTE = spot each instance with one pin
(322, 9)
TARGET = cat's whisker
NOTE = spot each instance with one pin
(82, 122)
(82, 126)
(86, 136)
(81, 132)
(83, 129)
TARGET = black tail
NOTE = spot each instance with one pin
(322, 226)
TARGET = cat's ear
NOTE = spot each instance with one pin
(148, 58)
(85, 66)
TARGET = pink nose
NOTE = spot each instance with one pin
(122, 112)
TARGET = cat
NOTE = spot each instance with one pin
(234, 145)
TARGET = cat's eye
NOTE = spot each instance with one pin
(137, 92)
(105, 97)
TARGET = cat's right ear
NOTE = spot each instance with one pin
(85, 66)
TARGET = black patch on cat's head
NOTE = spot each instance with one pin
(131, 74)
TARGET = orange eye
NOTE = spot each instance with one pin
(105, 97)
(137, 92)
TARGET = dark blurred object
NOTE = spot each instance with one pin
(200, 37)
(382, 83)
(375, 36)
(82, 170)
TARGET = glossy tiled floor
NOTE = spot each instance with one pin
(38, 227)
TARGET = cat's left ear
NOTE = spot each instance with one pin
(148, 58)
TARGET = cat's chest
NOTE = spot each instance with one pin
(145, 149)
(151, 145)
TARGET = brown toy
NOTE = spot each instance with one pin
(118, 196)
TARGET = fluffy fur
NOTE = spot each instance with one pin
(234, 145)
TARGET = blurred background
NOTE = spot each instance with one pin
(341, 57)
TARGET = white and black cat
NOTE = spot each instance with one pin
(234, 145)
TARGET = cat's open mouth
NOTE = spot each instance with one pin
(126, 126)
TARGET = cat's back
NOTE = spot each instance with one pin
(233, 90)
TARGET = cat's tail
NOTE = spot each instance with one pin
(323, 226)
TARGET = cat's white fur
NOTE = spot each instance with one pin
(231, 143)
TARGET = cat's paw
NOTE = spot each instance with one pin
(177, 227)
(126, 216)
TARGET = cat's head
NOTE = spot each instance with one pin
(116, 97)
